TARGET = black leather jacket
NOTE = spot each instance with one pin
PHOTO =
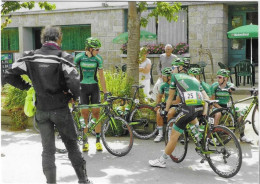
(53, 75)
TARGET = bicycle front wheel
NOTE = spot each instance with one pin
(226, 119)
(226, 159)
(255, 120)
(143, 121)
(181, 148)
(117, 136)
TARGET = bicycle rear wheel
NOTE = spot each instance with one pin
(226, 159)
(115, 138)
(226, 119)
(143, 121)
(181, 148)
(255, 120)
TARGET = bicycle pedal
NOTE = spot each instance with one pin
(202, 161)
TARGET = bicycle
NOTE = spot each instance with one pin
(230, 117)
(141, 117)
(116, 134)
(224, 159)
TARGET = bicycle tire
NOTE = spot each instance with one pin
(255, 120)
(143, 121)
(231, 150)
(116, 140)
(227, 119)
(180, 151)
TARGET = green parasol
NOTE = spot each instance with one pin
(144, 36)
(244, 32)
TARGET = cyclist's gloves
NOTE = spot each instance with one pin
(163, 113)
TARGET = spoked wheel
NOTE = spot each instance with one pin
(255, 120)
(117, 136)
(226, 159)
(181, 148)
(226, 119)
(143, 121)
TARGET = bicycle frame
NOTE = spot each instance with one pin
(254, 102)
(103, 116)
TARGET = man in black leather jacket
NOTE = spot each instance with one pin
(56, 82)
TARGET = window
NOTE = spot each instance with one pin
(10, 40)
(74, 37)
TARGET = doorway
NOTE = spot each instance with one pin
(37, 38)
(252, 17)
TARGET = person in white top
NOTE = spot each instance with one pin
(165, 61)
(144, 70)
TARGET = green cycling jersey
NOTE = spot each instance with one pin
(88, 67)
(189, 89)
(222, 96)
(164, 89)
(206, 87)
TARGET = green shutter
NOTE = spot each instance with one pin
(10, 40)
(74, 37)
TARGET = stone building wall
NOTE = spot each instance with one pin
(208, 26)
(105, 25)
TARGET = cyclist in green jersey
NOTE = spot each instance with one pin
(90, 63)
(196, 72)
(192, 95)
(163, 91)
(224, 97)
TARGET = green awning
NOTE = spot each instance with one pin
(244, 32)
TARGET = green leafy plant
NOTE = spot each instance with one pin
(14, 103)
(14, 100)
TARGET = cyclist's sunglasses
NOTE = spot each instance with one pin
(96, 49)
(219, 77)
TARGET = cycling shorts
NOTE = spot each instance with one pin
(186, 115)
(89, 93)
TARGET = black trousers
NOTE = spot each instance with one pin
(63, 121)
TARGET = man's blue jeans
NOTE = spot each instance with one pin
(63, 121)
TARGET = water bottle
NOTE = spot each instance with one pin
(92, 122)
(201, 130)
(127, 109)
(119, 110)
(195, 131)
(82, 122)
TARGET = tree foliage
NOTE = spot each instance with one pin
(164, 9)
(12, 6)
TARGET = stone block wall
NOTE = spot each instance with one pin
(106, 24)
(208, 25)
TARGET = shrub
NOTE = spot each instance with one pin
(14, 103)
(180, 48)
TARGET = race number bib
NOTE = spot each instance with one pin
(192, 98)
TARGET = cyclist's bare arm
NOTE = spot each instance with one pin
(102, 80)
(170, 97)
(215, 104)
(159, 98)
(205, 106)
(177, 100)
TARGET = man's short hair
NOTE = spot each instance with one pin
(168, 45)
(50, 33)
